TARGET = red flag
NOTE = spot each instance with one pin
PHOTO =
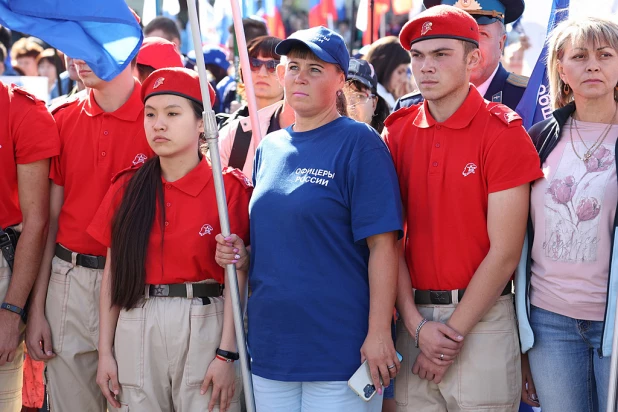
(319, 11)
(381, 7)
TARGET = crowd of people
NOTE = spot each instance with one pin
(392, 216)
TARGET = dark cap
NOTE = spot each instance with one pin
(485, 11)
(362, 71)
(440, 22)
(324, 43)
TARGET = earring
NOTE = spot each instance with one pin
(339, 92)
(566, 89)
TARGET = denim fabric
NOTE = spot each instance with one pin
(566, 368)
(334, 396)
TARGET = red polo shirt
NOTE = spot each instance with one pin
(446, 172)
(27, 134)
(191, 224)
(95, 145)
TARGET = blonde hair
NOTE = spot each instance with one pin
(577, 31)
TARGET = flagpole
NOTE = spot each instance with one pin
(212, 136)
(372, 6)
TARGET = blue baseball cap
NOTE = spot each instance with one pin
(485, 11)
(212, 55)
(324, 43)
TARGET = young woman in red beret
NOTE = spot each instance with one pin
(167, 332)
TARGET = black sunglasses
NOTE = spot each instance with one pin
(256, 65)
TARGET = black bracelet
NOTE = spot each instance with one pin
(228, 355)
(15, 309)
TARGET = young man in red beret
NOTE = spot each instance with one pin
(101, 133)
(465, 167)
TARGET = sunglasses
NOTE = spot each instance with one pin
(256, 65)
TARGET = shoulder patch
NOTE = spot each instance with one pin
(23, 92)
(517, 80)
(57, 106)
(125, 172)
(404, 111)
(238, 174)
(505, 114)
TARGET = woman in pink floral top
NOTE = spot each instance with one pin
(566, 326)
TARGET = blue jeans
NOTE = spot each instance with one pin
(566, 368)
(335, 396)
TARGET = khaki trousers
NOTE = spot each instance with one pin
(11, 374)
(163, 348)
(72, 310)
(486, 376)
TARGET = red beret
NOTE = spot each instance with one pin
(178, 81)
(440, 22)
(159, 53)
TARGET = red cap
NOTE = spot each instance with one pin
(175, 80)
(440, 22)
(159, 53)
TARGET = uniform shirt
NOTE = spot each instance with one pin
(27, 134)
(95, 145)
(446, 172)
(318, 196)
(190, 226)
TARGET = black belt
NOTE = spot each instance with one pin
(8, 244)
(87, 261)
(444, 297)
(179, 290)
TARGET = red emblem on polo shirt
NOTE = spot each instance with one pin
(426, 27)
(158, 82)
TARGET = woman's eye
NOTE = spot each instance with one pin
(172, 114)
(149, 115)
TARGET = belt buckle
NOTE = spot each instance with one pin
(160, 290)
(439, 297)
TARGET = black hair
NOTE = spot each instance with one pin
(165, 24)
(386, 54)
(253, 28)
(131, 227)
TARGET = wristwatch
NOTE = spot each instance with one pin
(233, 356)
(15, 309)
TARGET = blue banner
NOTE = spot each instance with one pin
(535, 104)
(103, 33)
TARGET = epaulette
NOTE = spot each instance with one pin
(132, 169)
(23, 92)
(408, 100)
(55, 107)
(517, 80)
(238, 174)
(505, 114)
(393, 117)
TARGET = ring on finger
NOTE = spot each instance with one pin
(391, 367)
(441, 356)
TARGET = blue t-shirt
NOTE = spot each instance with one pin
(318, 196)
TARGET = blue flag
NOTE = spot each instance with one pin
(535, 104)
(103, 33)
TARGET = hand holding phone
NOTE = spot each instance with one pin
(361, 382)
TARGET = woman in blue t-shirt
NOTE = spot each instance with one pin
(325, 221)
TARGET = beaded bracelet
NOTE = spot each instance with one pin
(418, 330)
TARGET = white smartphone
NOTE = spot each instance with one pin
(361, 382)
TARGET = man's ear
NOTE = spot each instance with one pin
(474, 58)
